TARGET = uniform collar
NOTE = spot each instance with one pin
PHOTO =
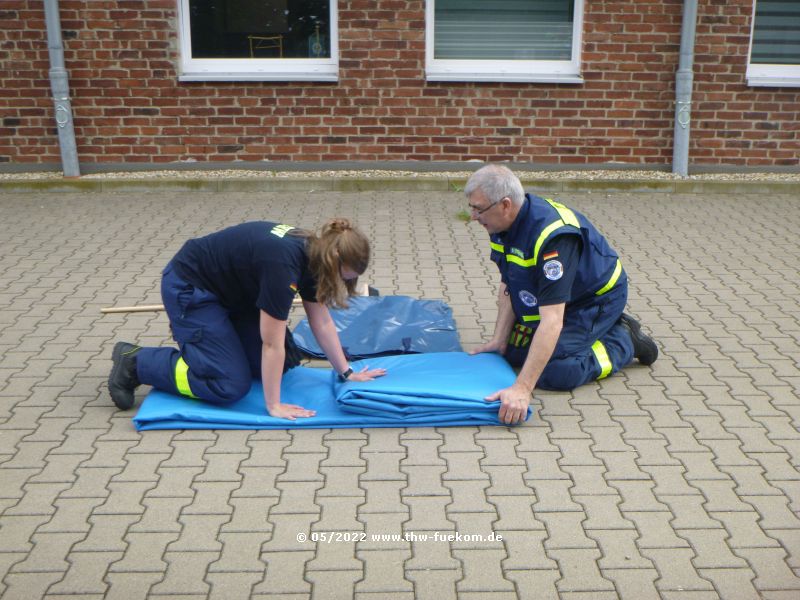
(519, 220)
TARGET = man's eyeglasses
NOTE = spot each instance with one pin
(479, 211)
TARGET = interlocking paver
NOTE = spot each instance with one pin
(383, 571)
(338, 514)
(186, 573)
(675, 569)
(107, 533)
(22, 586)
(515, 513)
(434, 584)
(482, 571)
(675, 481)
(144, 553)
(633, 583)
(772, 571)
(428, 514)
(231, 585)
(427, 481)
(507, 480)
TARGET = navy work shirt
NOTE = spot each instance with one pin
(253, 265)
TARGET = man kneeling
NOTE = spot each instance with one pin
(562, 294)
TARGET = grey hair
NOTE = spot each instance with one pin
(496, 182)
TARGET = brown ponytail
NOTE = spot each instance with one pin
(338, 244)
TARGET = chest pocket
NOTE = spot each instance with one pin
(516, 269)
(523, 294)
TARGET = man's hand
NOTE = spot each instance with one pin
(366, 374)
(289, 411)
(514, 403)
(490, 346)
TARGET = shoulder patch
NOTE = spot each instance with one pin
(281, 230)
(553, 270)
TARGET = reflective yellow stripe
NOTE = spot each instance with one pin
(182, 378)
(281, 230)
(567, 217)
(613, 281)
(545, 233)
(522, 262)
(601, 355)
(565, 213)
(528, 318)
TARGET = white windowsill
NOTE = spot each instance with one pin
(773, 82)
(503, 77)
(298, 76)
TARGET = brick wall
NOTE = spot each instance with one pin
(129, 107)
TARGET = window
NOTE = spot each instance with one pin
(258, 40)
(503, 40)
(775, 44)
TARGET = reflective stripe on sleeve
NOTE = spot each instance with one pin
(182, 378)
(601, 354)
(613, 281)
(544, 235)
(529, 318)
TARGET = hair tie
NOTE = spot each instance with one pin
(339, 225)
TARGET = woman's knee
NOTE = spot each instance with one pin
(228, 391)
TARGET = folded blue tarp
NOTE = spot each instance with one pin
(380, 325)
(440, 389)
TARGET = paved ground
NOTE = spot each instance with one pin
(679, 481)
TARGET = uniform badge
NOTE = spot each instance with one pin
(281, 230)
(527, 298)
(553, 270)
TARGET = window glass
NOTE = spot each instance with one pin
(259, 28)
(775, 44)
(504, 29)
(503, 40)
(776, 33)
(283, 40)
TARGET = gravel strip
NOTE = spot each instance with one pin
(599, 175)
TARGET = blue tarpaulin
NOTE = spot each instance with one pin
(379, 325)
(439, 389)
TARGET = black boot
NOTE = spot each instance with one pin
(644, 348)
(123, 379)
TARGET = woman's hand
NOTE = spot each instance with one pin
(366, 374)
(289, 411)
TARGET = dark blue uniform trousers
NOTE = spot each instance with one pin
(577, 357)
(220, 352)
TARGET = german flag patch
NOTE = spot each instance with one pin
(550, 255)
(293, 287)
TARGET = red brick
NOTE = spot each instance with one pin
(129, 105)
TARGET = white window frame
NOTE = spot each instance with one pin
(256, 69)
(523, 71)
(766, 75)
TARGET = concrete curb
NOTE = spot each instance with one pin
(405, 184)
